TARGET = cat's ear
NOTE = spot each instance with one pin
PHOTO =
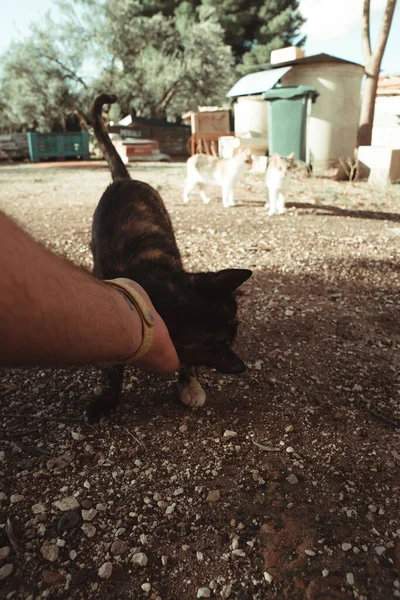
(226, 281)
(276, 158)
(225, 361)
(291, 156)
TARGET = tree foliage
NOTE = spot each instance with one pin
(161, 57)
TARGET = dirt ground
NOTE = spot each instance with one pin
(285, 485)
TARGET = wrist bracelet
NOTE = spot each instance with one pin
(144, 312)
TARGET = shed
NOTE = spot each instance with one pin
(333, 121)
(386, 131)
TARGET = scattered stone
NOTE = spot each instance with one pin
(6, 571)
(380, 550)
(289, 428)
(200, 556)
(268, 577)
(350, 578)
(238, 552)
(146, 587)
(226, 591)
(213, 496)
(164, 560)
(228, 433)
(88, 530)
(203, 592)
(49, 552)
(52, 577)
(357, 388)
(289, 450)
(310, 552)
(79, 437)
(101, 507)
(292, 479)
(143, 539)
(39, 509)
(5, 552)
(346, 546)
(170, 509)
(73, 554)
(105, 571)
(68, 520)
(140, 559)
(118, 547)
(183, 428)
(325, 572)
(68, 503)
(89, 515)
(15, 498)
(60, 462)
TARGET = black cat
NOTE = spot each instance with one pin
(132, 237)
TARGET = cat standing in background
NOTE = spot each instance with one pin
(226, 172)
(277, 182)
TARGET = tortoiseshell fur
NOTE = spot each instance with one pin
(132, 236)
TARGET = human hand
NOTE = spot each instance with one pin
(162, 356)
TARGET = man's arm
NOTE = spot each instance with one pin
(53, 313)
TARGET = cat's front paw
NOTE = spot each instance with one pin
(100, 408)
(191, 393)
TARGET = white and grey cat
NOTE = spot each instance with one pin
(226, 172)
(277, 182)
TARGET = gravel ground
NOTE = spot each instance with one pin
(284, 485)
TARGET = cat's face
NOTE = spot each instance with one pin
(206, 326)
(245, 156)
(283, 164)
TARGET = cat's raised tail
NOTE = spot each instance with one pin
(114, 161)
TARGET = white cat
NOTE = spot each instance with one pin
(277, 182)
(226, 172)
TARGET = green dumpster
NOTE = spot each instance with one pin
(43, 146)
(287, 119)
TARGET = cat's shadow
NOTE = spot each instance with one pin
(327, 210)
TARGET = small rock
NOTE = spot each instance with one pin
(183, 428)
(118, 547)
(357, 388)
(200, 556)
(146, 587)
(289, 450)
(89, 515)
(39, 509)
(346, 546)
(140, 559)
(6, 571)
(203, 592)
(178, 492)
(52, 577)
(60, 462)
(5, 552)
(289, 428)
(292, 479)
(15, 498)
(325, 572)
(69, 503)
(228, 433)
(143, 539)
(310, 552)
(105, 571)
(49, 552)
(86, 504)
(68, 520)
(350, 578)
(88, 530)
(238, 552)
(73, 554)
(101, 507)
(79, 437)
(380, 550)
(213, 496)
(268, 577)
(226, 591)
(170, 509)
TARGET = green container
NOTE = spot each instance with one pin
(287, 119)
(44, 146)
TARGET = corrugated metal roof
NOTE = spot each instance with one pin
(256, 83)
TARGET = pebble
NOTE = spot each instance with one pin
(203, 592)
(73, 554)
(289, 450)
(226, 591)
(380, 550)
(49, 552)
(140, 559)
(170, 509)
(350, 578)
(146, 587)
(15, 498)
(88, 530)
(105, 571)
(61, 461)
(310, 552)
(213, 496)
(89, 515)
(68, 520)
(101, 507)
(346, 546)
(200, 556)
(69, 503)
(6, 571)
(268, 577)
(119, 547)
(292, 479)
(79, 437)
(52, 577)
(325, 573)
(39, 509)
(289, 428)
(5, 552)
(238, 552)
(183, 428)
(228, 433)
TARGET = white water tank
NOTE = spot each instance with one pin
(333, 123)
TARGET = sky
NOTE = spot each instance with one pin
(333, 26)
